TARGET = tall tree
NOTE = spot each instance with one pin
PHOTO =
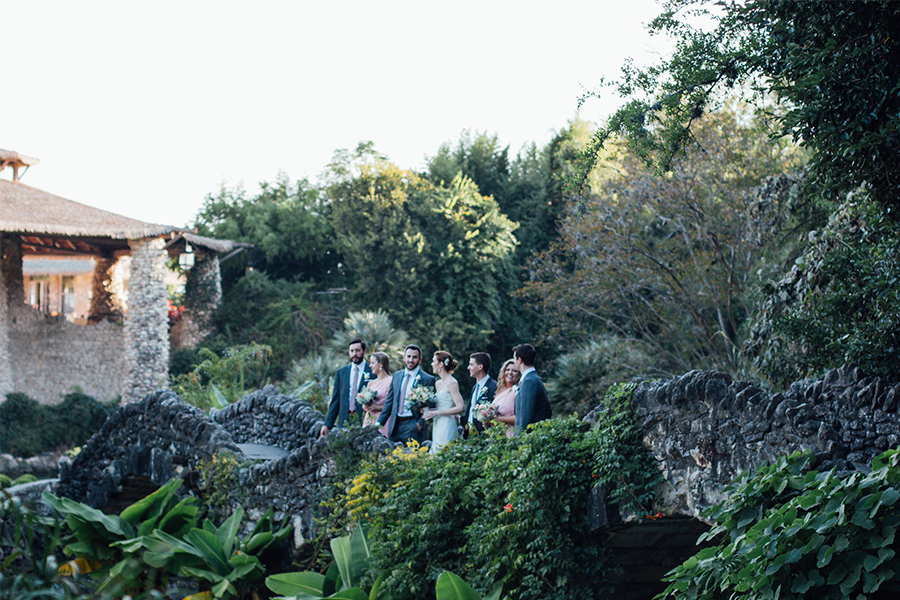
(663, 262)
(286, 222)
(433, 257)
(833, 63)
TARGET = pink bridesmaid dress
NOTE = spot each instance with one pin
(381, 390)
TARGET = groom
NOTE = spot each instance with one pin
(532, 404)
(348, 380)
(403, 425)
(482, 393)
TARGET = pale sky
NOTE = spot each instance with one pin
(145, 108)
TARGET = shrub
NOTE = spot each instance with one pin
(310, 378)
(5, 481)
(839, 303)
(378, 331)
(584, 374)
(495, 509)
(29, 544)
(76, 419)
(23, 425)
(224, 378)
(791, 532)
(28, 427)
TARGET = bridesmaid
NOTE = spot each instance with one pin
(380, 365)
(505, 396)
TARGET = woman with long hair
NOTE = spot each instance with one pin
(381, 385)
(505, 396)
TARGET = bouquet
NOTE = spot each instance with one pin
(420, 397)
(366, 397)
(485, 412)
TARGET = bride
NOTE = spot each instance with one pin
(449, 402)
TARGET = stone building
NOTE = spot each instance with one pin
(121, 349)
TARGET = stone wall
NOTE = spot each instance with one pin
(6, 369)
(147, 322)
(202, 296)
(49, 356)
(161, 437)
(705, 429)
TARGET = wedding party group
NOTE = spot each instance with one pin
(403, 403)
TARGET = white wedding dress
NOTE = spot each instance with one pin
(444, 428)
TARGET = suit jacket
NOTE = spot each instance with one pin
(339, 408)
(532, 404)
(490, 386)
(392, 402)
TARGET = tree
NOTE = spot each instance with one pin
(286, 222)
(664, 263)
(431, 256)
(480, 158)
(832, 64)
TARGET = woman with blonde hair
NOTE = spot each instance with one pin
(505, 397)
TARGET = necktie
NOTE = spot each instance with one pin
(476, 394)
(403, 383)
(354, 388)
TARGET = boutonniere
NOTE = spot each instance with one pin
(367, 376)
(482, 395)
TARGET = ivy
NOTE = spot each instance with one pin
(792, 532)
(496, 509)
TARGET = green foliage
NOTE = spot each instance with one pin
(220, 487)
(287, 224)
(831, 64)
(840, 302)
(160, 536)
(5, 481)
(23, 425)
(662, 265)
(25, 478)
(28, 563)
(28, 427)
(790, 532)
(378, 331)
(437, 252)
(344, 577)
(277, 313)
(496, 509)
(582, 376)
(310, 378)
(104, 543)
(220, 380)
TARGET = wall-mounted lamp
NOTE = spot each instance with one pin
(186, 258)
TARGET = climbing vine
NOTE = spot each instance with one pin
(497, 509)
(792, 532)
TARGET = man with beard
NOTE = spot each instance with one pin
(348, 381)
(403, 425)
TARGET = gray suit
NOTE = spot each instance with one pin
(532, 404)
(339, 409)
(404, 429)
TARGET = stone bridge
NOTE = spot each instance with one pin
(703, 428)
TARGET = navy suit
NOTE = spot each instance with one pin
(487, 396)
(403, 429)
(339, 409)
(532, 404)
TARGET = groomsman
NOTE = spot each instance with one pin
(532, 404)
(403, 425)
(348, 381)
(482, 393)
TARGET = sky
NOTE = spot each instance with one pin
(145, 108)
